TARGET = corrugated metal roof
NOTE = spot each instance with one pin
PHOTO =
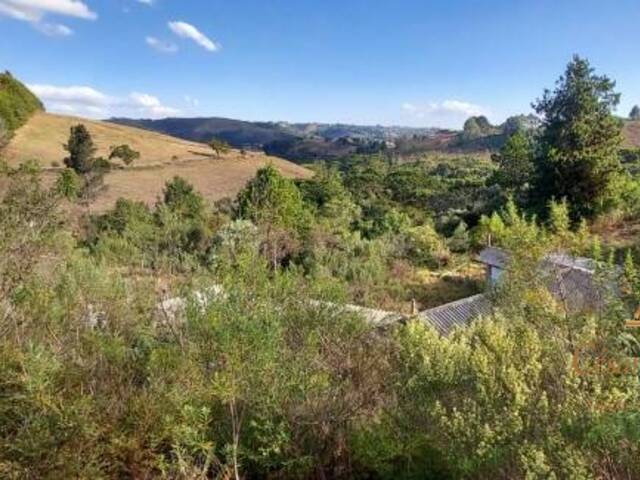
(572, 280)
(376, 317)
(456, 314)
(495, 257)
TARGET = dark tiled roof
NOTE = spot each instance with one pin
(456, 314)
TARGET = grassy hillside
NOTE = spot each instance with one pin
(17, 104)
(161, 158)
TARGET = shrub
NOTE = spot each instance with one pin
(124, 153)
(68, 184)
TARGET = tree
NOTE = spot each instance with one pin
(275, 204)
(579, 146)
(515, 164)
(124, 153)
(635, 113)
(219, 146)
(180, 196)
(81, 150)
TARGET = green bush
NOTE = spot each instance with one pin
(17, 103)
(124, 153)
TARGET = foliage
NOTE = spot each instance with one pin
(180, 197)
(515, 165)
(580, 141)
(275, 204)
(219, 146)
(189, 340)
(17, 104)
(125, 153)
(261, 373)
(176, 235)
(4, 133)
(426, 246)
(477, 127)
(28, 220)
(81, 150)
(634, 114)
(68, 184)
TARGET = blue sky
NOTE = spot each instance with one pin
(402, 62)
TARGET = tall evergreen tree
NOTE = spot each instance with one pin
(579, 146)
(81, 150)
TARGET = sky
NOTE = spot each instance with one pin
(389, 62)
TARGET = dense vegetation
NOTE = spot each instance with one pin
(190, 340)
(254, 380)
(17, 104)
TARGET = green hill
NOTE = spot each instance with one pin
(17, 105)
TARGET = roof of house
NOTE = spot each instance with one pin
(495, 257)
(566, 260)
(375, 317)
(572, 280)
(456, 314)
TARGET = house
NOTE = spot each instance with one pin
(576, 282)
(495, 261)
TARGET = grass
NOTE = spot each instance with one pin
(161, 158)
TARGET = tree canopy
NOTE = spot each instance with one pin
(580, 141)
(81, 150)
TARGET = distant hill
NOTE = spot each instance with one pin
(299, 142)
(306, 142)
(161, 158)
(17, 104)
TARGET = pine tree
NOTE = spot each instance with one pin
(579, 146)
(81, 150)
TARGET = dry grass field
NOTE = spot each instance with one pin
(162, 158)
(632, 133)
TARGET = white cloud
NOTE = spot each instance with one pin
(35, 11)
(161, 46)
(186, 30)
(448, 113)
(71, 94)
(54, 29)
(89, 102)
(150, 105)
(146, 2)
